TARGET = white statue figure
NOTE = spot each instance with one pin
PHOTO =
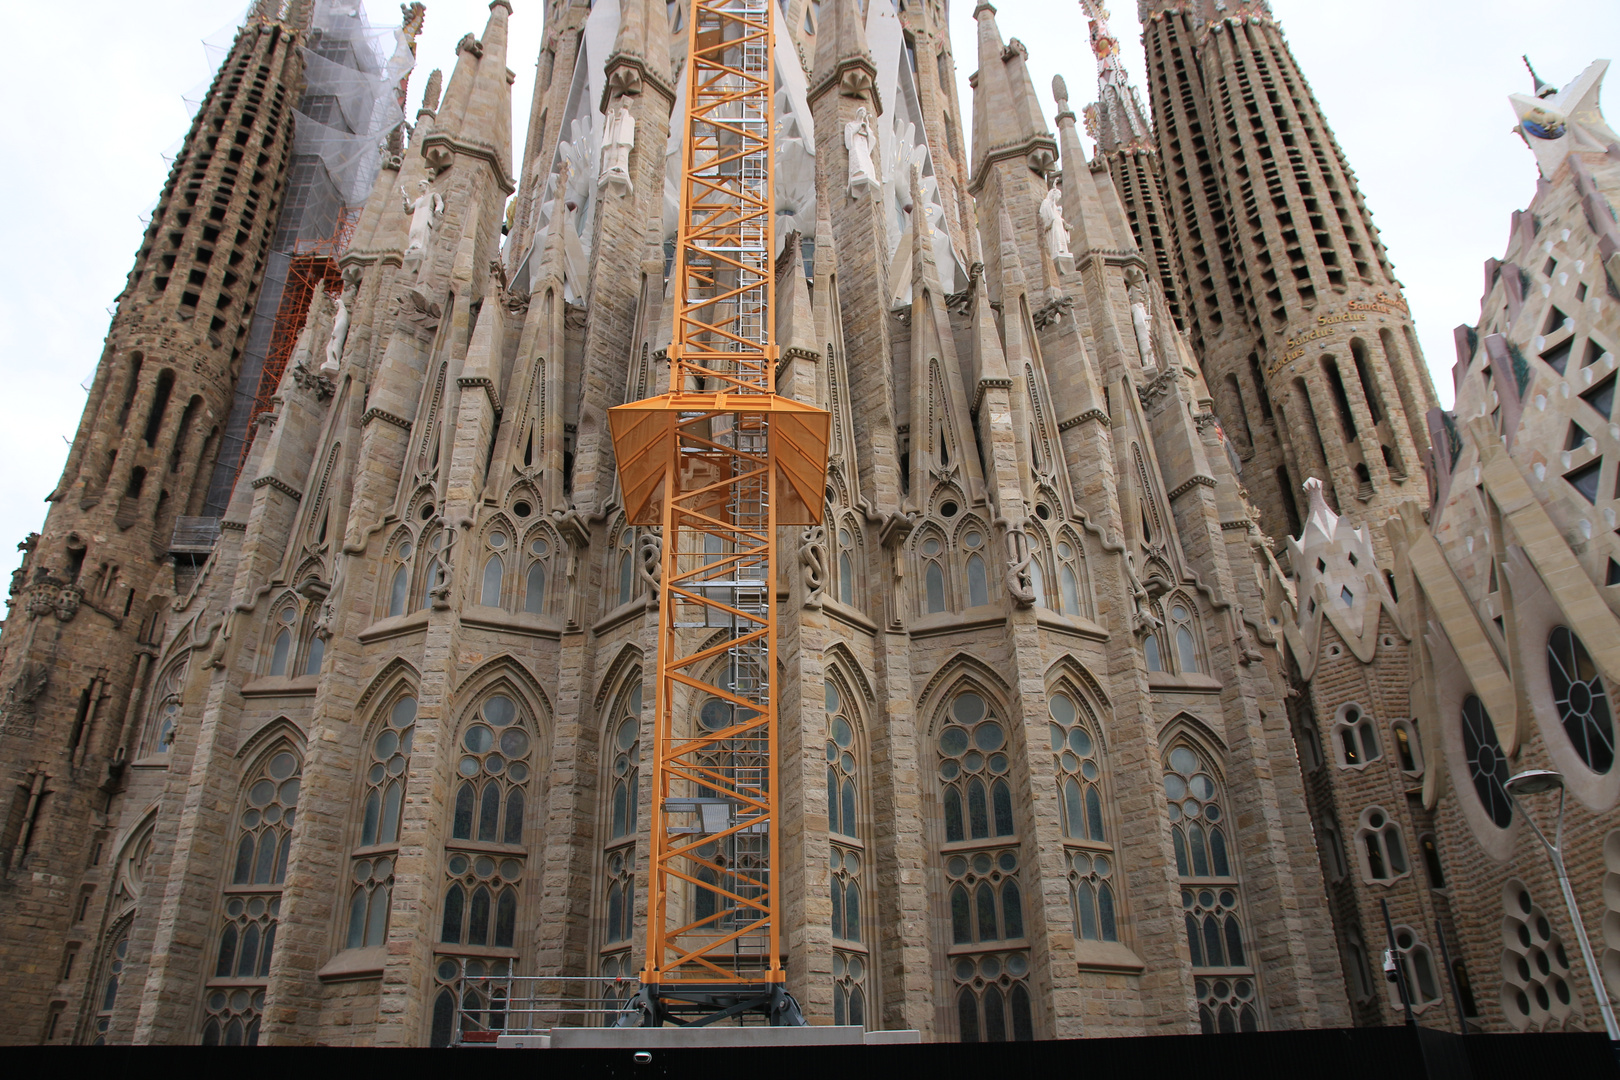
(340, 336)
(424, 210)
(1137, 286)
(617, 141)
(1054, 230)
(859, 139)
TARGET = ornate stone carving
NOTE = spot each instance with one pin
(618, 139)
(813, 560)
(1055, 231)
(650, 564)
(859, 140)
(424, 210)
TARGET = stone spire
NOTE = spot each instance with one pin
(640, 52)
(1082, 209)
(842, 56)
(476, 115)
(1007, 118)
(1117, 121)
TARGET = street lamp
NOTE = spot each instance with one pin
(1539, 782)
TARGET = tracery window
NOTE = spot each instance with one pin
(1355, 738)
(494, 576)
(1225, 985)
(1383, 852)
(534, 580)
(1150, 651)
(846, 862)
(627, 565)
(987, 955)
(847, 561)
(371, 872)
(1487, 764)
(933, 574)
(234, 998)
(399, 582)
(486, 856)
(281, 651)
(618, 888)
(1184, 635)
(1071, 598)
(107, 992)
(978, 579)
(1417, 966)
(431, 548)
(1037, 574)
(1582, 700)
(165, 710)
(1075, 761)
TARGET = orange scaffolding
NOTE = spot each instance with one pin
(313, 267)
(719, 463)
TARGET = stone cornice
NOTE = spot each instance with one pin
(438, 145)
(489, 389)
(233, 526)
(644, 77)
(792, 353)
(989, 384)
(279, 484)
(847, 76)
(995, 154)
(1076, 421)
(1182, 489)
(386, 417)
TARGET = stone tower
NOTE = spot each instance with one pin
(1290, 299)
(87, 604)
(389, 736)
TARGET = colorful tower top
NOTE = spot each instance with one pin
(1554, 122)
(1118, 120)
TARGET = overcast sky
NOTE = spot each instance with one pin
(1415, 92)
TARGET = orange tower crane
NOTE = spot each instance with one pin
(720, 463)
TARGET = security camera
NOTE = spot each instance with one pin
(1392, 972)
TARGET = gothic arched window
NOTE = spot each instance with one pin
(1206, 862)
(234, 998)
(165, 710)
(534, 579)
(621, 756)
(112, 973)
(1487, 764)
(1417, 965)
(1382, 851)
(1076, 762)
(847, 861)
(986, 953)
(494, 575)
(1183, 632)
(431, 548)
(1581, 699)
(399, 579)
(1071, 592)
(282, 627)
(1355, 738)
(627, 565)
(485, 852)
(1407, 747)
(935, 596)
(847, 562)
(371, 873)
(978, 578)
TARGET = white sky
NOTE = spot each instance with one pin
(1414, 89)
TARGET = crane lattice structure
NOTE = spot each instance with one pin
(719, 463)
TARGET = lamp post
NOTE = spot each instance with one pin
(1539, 782)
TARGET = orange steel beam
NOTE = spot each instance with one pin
(718, 464)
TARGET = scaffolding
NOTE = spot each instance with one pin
(719, 463)
(313, 267)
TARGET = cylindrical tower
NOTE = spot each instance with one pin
(86, 606)
(1292, 303)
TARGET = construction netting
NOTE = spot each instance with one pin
(352, 99)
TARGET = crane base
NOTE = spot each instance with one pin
(700, 1006)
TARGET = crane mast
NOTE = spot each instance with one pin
(719, 463)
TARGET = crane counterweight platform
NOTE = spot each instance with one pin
(719, 463)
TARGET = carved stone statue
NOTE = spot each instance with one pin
(1137, 286)
(424, 210)
(1055, 231)
(1020, 582)
(339, 336)
(859, 139)
(617, 141)
(813, 558)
